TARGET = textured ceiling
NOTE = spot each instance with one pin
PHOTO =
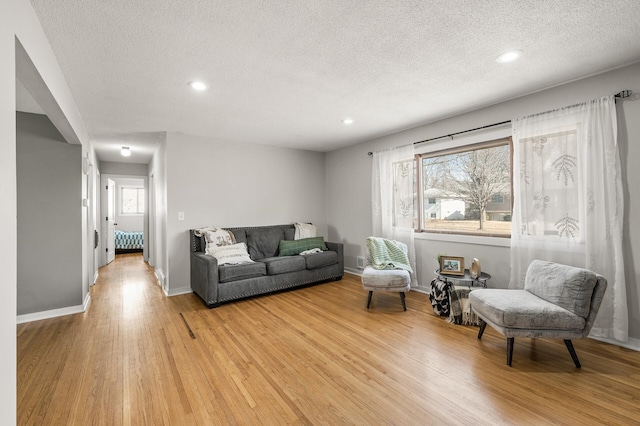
(286, 73)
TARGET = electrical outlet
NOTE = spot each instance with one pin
(360, 260)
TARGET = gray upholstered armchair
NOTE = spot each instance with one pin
(557, 302)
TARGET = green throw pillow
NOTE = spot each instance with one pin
(290, 248)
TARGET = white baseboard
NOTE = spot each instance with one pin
(633, 344)
(353, 271)
(178, 291)
(53, 313)
(159, 277)
(95, 278)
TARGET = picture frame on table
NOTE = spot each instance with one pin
(451, 265)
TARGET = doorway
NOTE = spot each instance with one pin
(124, 215)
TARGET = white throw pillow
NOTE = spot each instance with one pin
(234, 254)
(304, 230)
(216, 237)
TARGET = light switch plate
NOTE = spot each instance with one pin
(180, 215)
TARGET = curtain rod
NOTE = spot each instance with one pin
(620, 95)
(451, 135)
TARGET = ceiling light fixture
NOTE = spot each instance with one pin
(509, 56)
(197, 85)
(125, 151)
(347, 121)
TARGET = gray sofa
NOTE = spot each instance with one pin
(270, 272)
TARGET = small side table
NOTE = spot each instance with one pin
(466, 278)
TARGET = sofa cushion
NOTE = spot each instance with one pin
(290, 248)
(282, 265)
(263, 242)
(239, 234)
(320, 260)
(522, 309)
(227, 273)
(385, 279)
(289, 233)
(566, 286)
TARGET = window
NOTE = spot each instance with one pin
(473, 187)
(131, 200)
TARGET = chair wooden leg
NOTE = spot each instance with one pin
(572, 351)
(404, 305)
(509, 350)
(369, 299)
(483, 325)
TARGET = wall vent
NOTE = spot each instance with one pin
(360, 262)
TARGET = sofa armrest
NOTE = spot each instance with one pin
(338, 248)
(204, 277)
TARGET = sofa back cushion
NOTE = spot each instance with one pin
(263, 242)
(562, 285)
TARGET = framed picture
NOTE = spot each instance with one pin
(451, 265)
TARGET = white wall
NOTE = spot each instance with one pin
(159, 257)
(127, 222)
(130, 169)
(18, 20)
(349, 181)
(233, 184)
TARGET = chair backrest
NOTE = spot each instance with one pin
(596, 301)
(576, 289)
(367, 256)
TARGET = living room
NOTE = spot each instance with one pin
(331, 188)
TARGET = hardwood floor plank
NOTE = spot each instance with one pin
(313, 355)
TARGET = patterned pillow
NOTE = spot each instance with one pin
(290, 248)
(234, 254)
(217, 237)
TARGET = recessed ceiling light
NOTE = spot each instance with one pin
(347, 121)
(125, 151)
(509, 56)
(197, 85)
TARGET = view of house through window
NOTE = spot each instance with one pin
(132, 200)
(467, 190)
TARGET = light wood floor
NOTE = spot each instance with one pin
(308, 356)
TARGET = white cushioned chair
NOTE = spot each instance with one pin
(394, 280)
(557, 302)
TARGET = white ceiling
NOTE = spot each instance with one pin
(286, 72)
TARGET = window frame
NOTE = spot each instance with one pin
(489, 142)
(121, 198)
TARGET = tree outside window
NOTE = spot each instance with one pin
(469, 187)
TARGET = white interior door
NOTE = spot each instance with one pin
(111, 215)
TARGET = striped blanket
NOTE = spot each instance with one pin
(388, 254)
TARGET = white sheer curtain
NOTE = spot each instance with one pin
(568, 201)
(393, 198)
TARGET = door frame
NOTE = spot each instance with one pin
(103, 214)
